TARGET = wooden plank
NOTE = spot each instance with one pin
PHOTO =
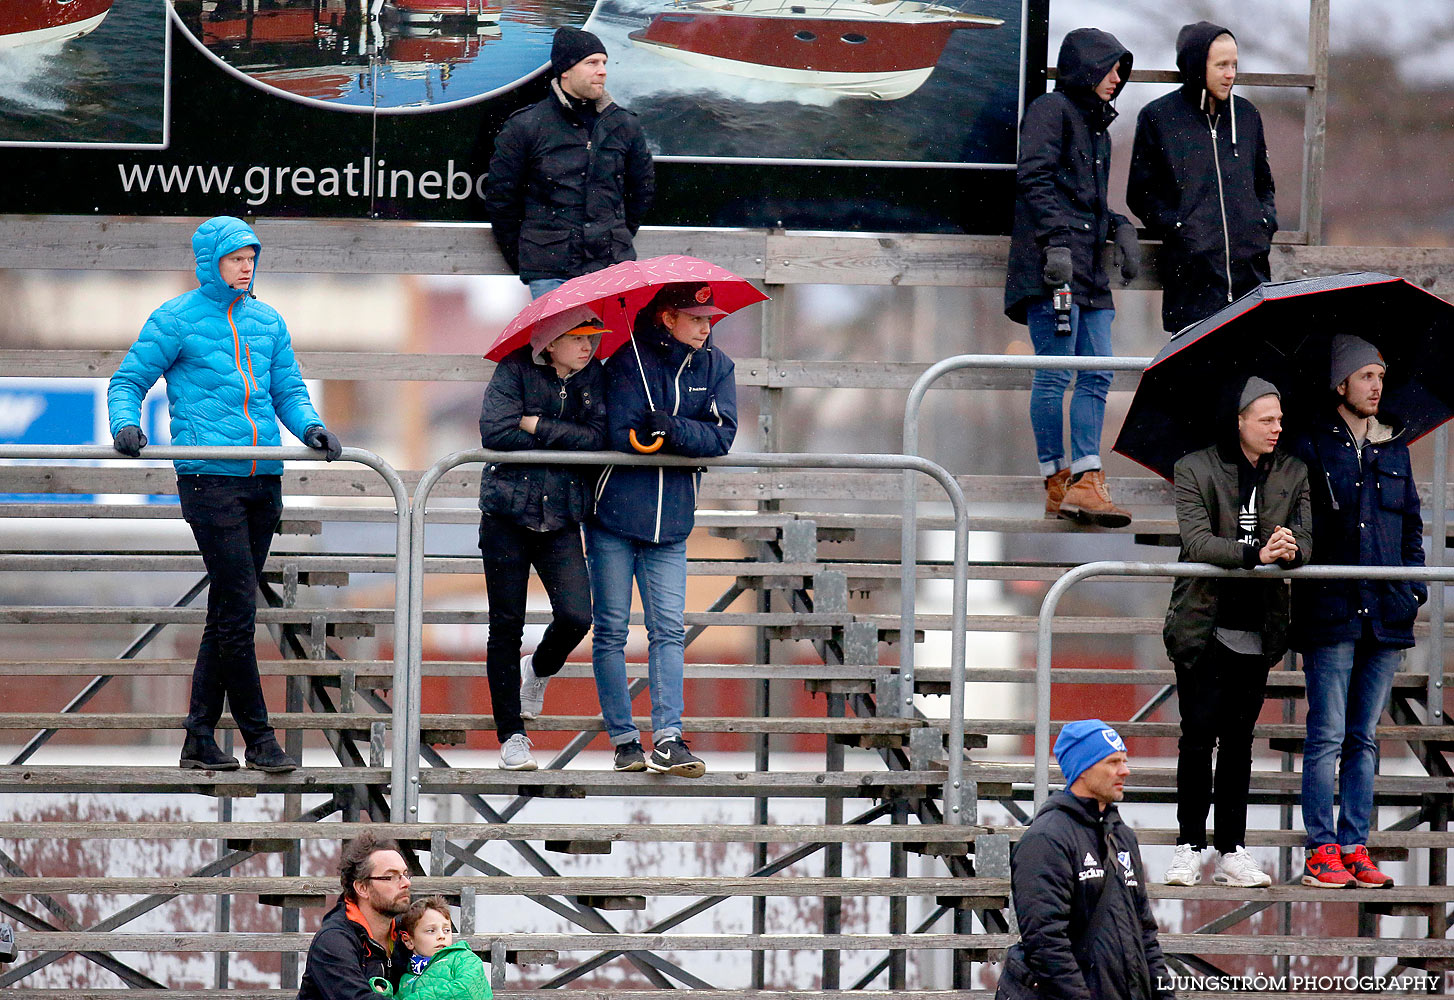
(714, 833)
(50, 615)
(236, 993)
(529, 885)
(482, 781)
(1165, 777)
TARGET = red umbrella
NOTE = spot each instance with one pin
(619, 292)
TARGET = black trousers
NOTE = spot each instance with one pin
(233, 519)
(509, 550)
(1221, 697)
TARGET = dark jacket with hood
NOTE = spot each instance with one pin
(572, 414)
(1062, 179)
(1365, 513)
(1071, 855)
(1201, 183)
(566, 194)
(342, 958)
(1208, 501)
(698, 390)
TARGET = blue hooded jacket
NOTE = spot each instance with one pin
(229, 365)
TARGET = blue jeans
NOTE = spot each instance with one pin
(660, 572)
(1090, 336)
(1348, 687)
(540, 286)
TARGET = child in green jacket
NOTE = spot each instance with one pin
(441, 968)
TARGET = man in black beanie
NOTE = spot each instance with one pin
(571, 176)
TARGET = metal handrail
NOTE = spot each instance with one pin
(908, 540)
(411, 692)
(1043, 638)
(358, 456)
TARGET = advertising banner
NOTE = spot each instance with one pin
(896, 115)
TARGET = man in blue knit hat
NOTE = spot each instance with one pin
(1079, 889)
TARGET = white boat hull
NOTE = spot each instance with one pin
(56, 33)
(878, 86)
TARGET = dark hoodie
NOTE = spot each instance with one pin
(1061, 180)
(1201, 182)
(343, 958)
(1071, 855)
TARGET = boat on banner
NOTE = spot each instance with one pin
(27, 22)
(877, 49)
(442, 11)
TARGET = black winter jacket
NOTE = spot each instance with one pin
(1070, 855)
(572, 414)
(1364, 514)
(1207, 504)
(1062, 177)
(1201, 183)
(699, 390)
(565, 198)
(343, 958)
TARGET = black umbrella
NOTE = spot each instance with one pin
(1282, 332)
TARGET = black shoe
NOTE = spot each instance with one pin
(672, 757)
(630, 757)
(270, 759)
(201, 753)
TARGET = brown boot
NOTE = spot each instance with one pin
(1089, 502)
(1055, 492)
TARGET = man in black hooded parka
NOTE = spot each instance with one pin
(1201, 182)
(1062, 222)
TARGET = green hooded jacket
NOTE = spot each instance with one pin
(454, 973)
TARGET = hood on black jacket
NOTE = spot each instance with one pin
(1193, 42)
(1086, 56)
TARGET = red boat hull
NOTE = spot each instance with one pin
(823, 45)
(23, 21)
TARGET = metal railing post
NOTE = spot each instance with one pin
(1043, 640)
(954, 780)
(358, 456)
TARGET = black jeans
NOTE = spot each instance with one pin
(233, 519)
(509, 550)
(1221, 697)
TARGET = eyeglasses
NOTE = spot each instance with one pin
(391, 877)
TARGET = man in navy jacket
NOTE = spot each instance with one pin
(1352, 633)
(667, 383)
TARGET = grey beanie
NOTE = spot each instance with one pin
(1349, 354)
(1253, 390)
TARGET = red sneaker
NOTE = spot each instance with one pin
(1324, 868)
(1356, 861)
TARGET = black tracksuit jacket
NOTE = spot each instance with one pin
(343, 958)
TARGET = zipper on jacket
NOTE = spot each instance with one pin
(237, 349)
(676, 384)
(1222, 204)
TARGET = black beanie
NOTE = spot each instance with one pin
(571, 45)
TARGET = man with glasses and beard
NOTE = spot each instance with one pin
(356, 946)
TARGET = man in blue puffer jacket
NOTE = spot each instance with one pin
(669, 384)
(231, 376)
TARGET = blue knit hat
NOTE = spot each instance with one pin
(1083, 744)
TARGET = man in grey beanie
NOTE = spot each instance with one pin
(571, 177)
(1240, 503)
(1352, 633)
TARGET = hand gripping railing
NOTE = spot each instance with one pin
(908, 540)
(401, 722)
(406, 745)
(1424, 574)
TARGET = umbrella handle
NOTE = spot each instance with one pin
(645, 449)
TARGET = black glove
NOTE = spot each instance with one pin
(320, 438)
(1058, 268)
(657, 423)
(1127, 253)
(129, 441)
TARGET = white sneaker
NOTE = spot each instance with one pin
(515, 754)
(1238, 868)
(532, 689)
(1185, 867)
